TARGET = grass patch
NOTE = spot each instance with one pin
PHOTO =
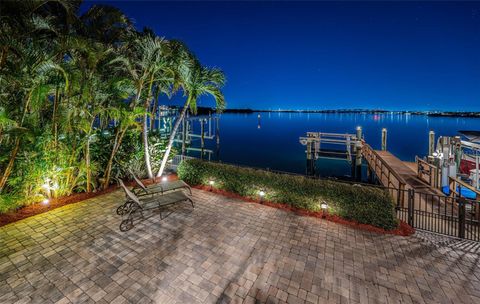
(363, 204)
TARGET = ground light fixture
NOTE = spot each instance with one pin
(261, 193)
(211, 183)
(46, 201)
(324, 207)
(164, 179)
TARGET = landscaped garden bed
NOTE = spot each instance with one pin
(39, 207)
(357, 204)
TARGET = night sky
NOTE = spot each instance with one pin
(329, 55)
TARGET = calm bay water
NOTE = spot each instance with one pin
(275, 144)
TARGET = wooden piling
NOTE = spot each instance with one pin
(217, 131)
(431, 143)
(202, 131)
(384, 139)
(310, 158)
(369, 174)
(358, 155)
(209, 125)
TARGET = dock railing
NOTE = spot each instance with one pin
(455, 184)
(427, 172)
(395, 184)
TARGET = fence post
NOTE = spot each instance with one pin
(461, 218)
(411, 196)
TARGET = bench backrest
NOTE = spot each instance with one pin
(130, 195)
(138, 181)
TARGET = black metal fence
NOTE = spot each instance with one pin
(453, 216)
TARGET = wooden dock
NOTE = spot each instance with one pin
(413, 186)
(404, 170)
(391, 171)
(396, 175)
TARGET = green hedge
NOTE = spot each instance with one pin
(364, 204)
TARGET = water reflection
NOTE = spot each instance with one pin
(277, 146)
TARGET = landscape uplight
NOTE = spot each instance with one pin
(211, 183)
(46, 201)
(164, 179)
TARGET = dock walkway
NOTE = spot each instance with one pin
(404, 170)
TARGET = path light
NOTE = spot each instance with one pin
(211, 183)
(324, 207)
(46, 201)
(262, 194)
(164, 179)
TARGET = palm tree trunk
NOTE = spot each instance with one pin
(9, 167)
(87, 160)
(172, 138)
(3, 57)
(146, 150)
(54, 116)
(154, 113)
(108, 169)
(13, 155)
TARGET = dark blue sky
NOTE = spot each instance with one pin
(330, 55)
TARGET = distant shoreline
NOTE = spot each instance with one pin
(207, 110)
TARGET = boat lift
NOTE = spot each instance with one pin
(209, 130)
(319, 146)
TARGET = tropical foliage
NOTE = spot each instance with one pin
(364, 204)
(77, 93)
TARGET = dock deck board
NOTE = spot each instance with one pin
(403, 169)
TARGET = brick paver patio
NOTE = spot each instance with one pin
(225, 250)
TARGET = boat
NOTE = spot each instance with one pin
(473, 136)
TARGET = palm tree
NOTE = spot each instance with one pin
(147, 63)
(196, 81)
(26, 83)
(128, 119)
(65, 78)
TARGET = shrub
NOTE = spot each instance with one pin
(364, 204)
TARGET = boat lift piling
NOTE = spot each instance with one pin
(202, 137)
